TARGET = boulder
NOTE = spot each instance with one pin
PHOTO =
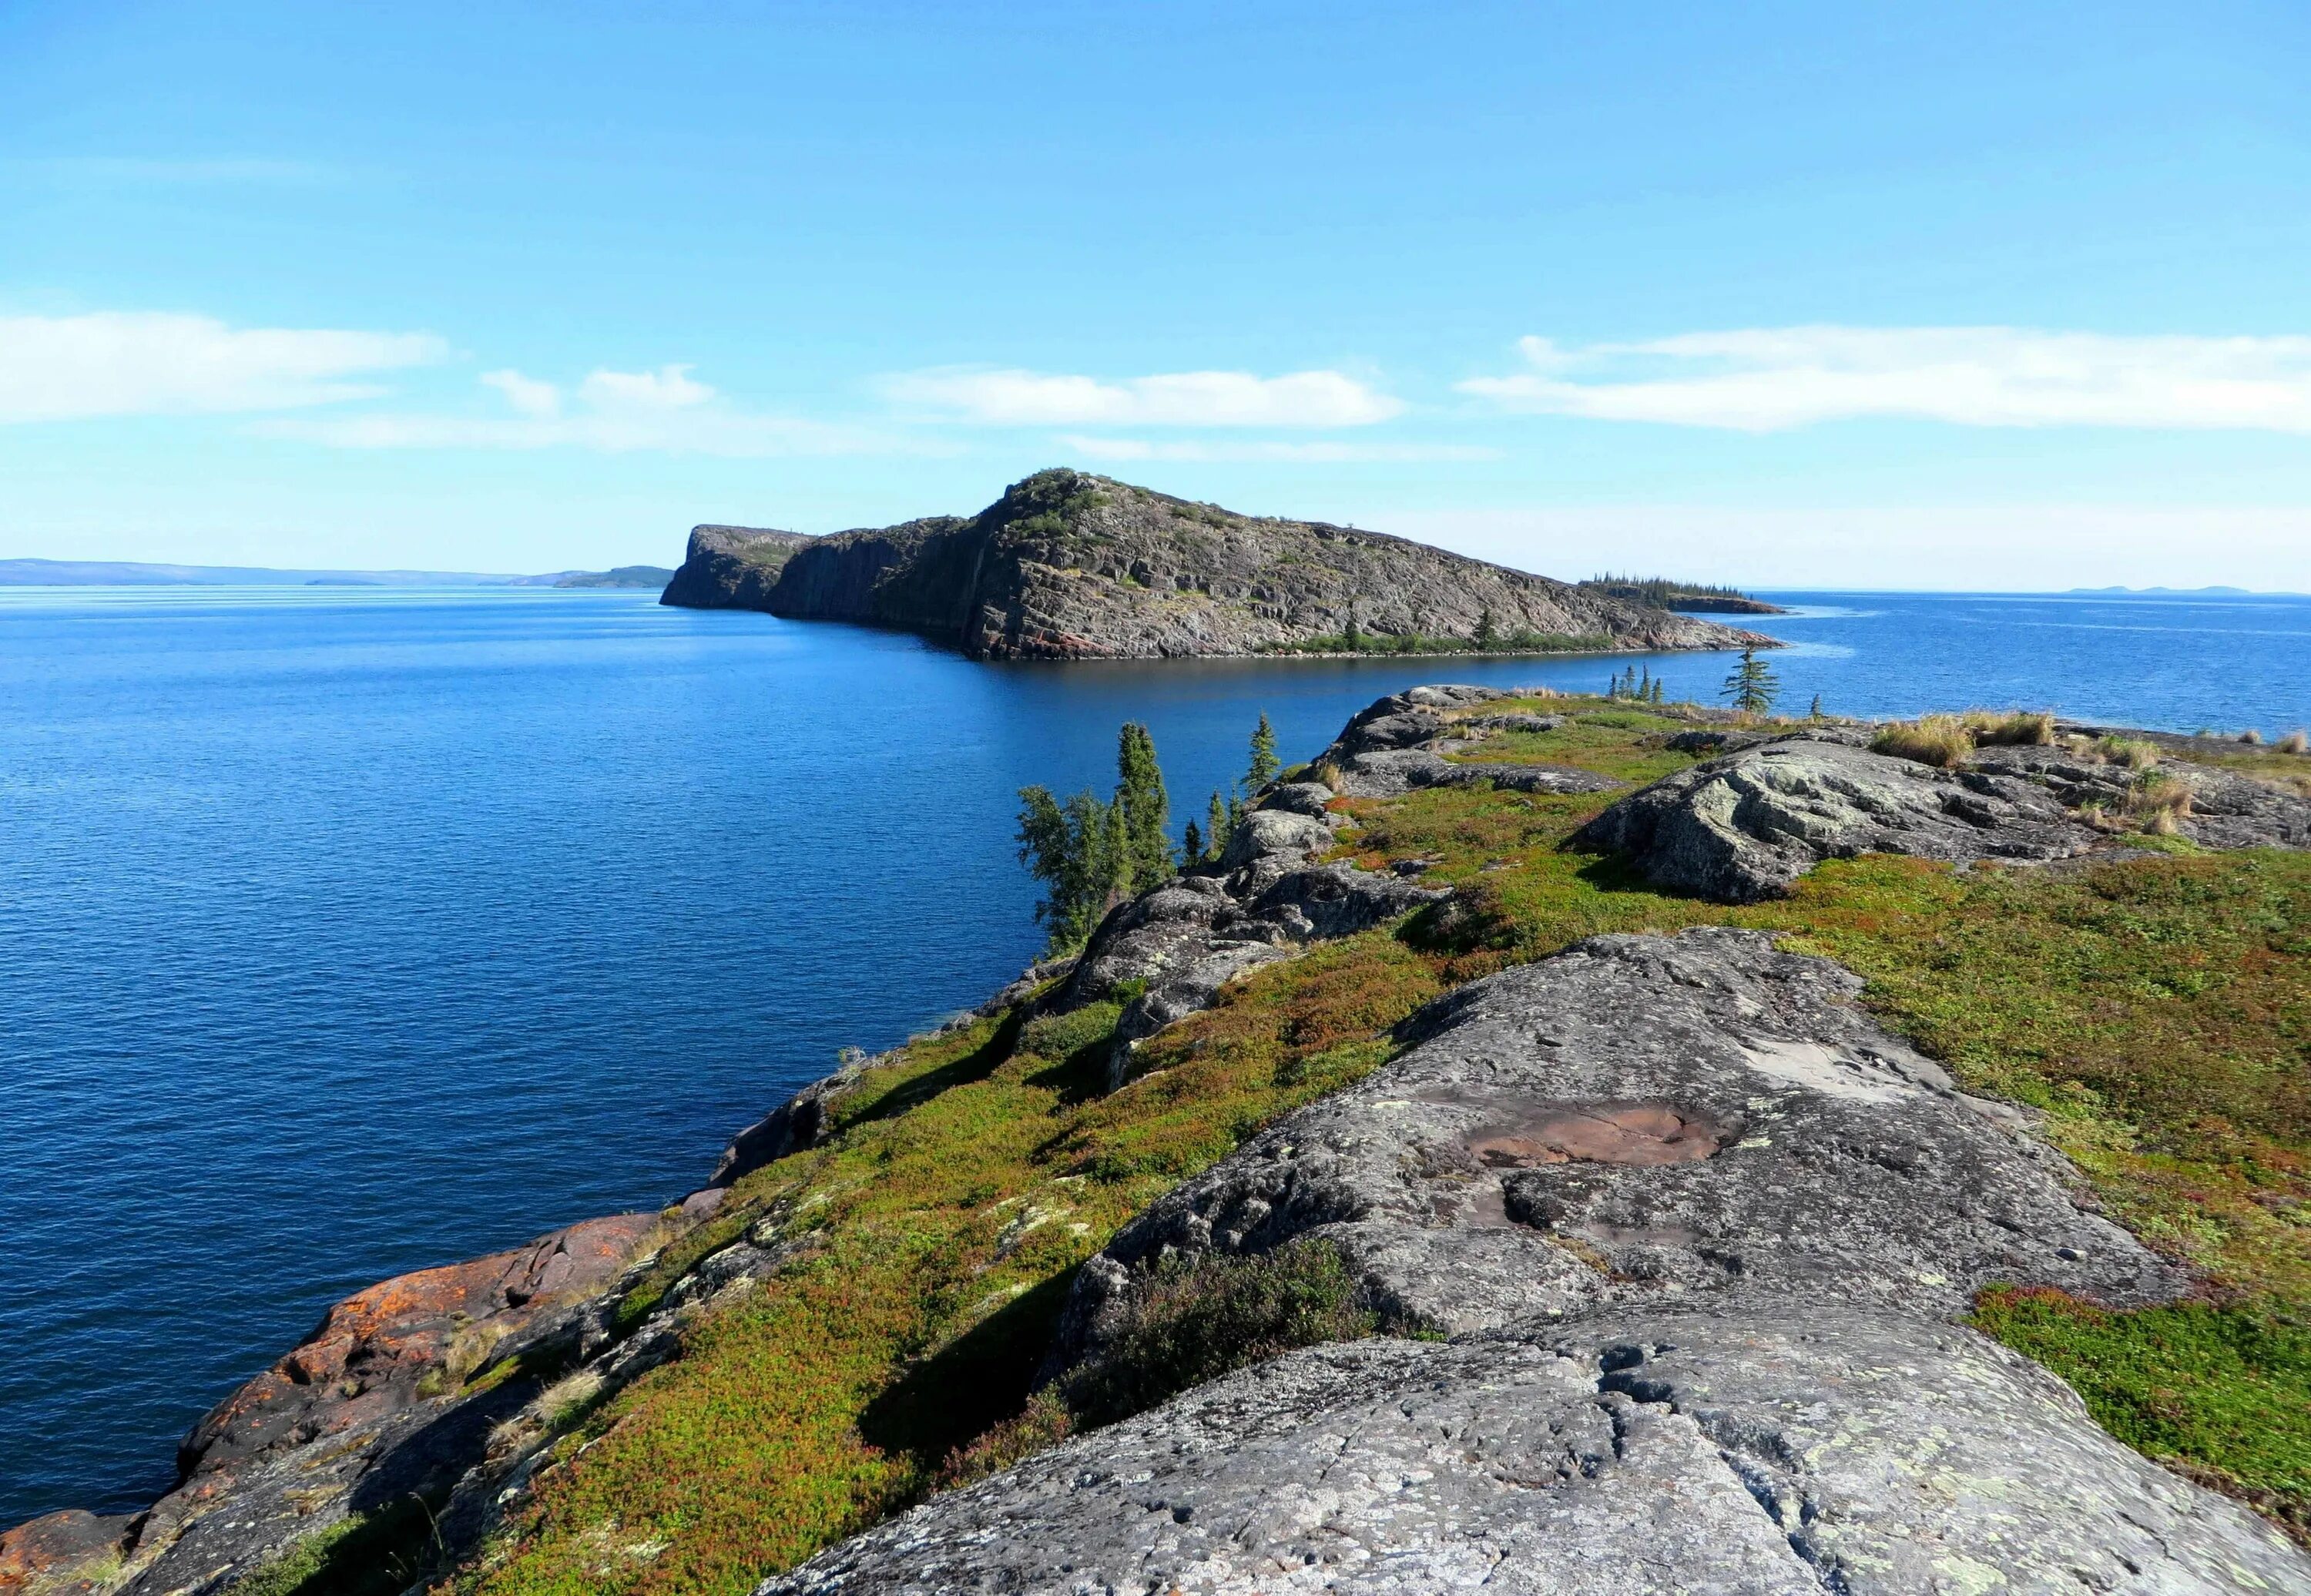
(1759, 1450)
(1643, 1118)
(2227, 809)
(1745, 825)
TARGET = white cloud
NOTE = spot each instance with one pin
(1176, 399)
(526, 394)
(622, 412)
(1769, 379)
(58, 367)
(669, 388)
(1326, 453)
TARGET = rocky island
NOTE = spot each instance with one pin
(1068, 566)
(1552, 1146)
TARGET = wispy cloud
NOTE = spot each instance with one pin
(58, 367)
(1324, 453)
(1173, 399)
(1770, 379)
(666, 411)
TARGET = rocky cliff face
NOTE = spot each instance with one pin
(1069, 566)
(730, 567)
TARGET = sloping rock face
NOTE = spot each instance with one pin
(1069, 566)
(1638, 1118)
(1745, 825)
(1774, 1450)
(731, 567)
(1699, 1220)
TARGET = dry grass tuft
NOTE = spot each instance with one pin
(2131, 752)
(2157, 801)
(1942, 740)
(2297, 741)
(2251, 737)
(2033, 728)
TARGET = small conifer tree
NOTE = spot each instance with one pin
(1814, 713)
(1191, 845)
(1264, 762)
(1752, 686)
(1144, 810)
(1487, 639)
(1353, 633)
(1657, 689)
(1217, 827)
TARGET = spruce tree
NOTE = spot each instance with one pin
(1487, 639)
(1354, 635)
(1143, 809)
(1191, 846)
(1218, 826)
(1075, 849)
(1814, 712)
(1753, 686)
(1657, 689)
(1264, 762)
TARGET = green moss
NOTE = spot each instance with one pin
(2222, 1393)
(379, 1553)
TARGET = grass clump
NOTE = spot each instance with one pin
(1944, 741)
(2030, 729)
(2297, 742)
(2157, 802)
(2134, 753)
(2220, 1393)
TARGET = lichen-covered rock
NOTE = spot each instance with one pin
(2227, 809)
(1641, 1117)
(731, 567)
(1741, 1450)
(798, 1122)
(1069, 566)
(1748, 824)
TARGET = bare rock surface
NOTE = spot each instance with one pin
(1400, 742)
(1747, 824)
(1775, 1450)
(1640, 1117)
(1070, 566)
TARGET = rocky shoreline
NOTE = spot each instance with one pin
(1690, 1228)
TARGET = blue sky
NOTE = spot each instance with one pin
(1936, 296)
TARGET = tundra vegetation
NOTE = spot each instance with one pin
(2153, 1010)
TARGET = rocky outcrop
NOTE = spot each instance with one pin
(731, 567)
(2226, 810)
(1780, 1450)
(1176, 947)
(1069, 566)
(1400, 742)
(1747, 824)
(1643, 1117)
(366, 1413)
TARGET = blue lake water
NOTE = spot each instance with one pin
(347, 932)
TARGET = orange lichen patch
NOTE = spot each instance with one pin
(1640, 1133)
(59, 1551)
(370, 1351)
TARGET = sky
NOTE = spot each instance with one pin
(2008, 296)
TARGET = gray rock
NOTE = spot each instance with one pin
(1266, 832)
(1517, 722)
(1311, 798)
(1779, 1450)
(1394, 773)
(1638, 1118)
(1745, 826)
(2227, 809)
(798, 1122)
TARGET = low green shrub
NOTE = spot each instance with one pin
(1193, 1322)
(2133, 753)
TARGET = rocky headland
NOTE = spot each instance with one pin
(1653, 1261)
(1068, 566)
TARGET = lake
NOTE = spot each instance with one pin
(348, 931)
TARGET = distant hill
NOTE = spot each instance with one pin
(1068, 566)
(2175, 592)
(130, 574)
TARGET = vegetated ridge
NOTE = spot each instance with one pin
(1658, 592)
(1069, 566)
(1519, 1071)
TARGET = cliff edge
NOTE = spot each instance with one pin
(1070, 566)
